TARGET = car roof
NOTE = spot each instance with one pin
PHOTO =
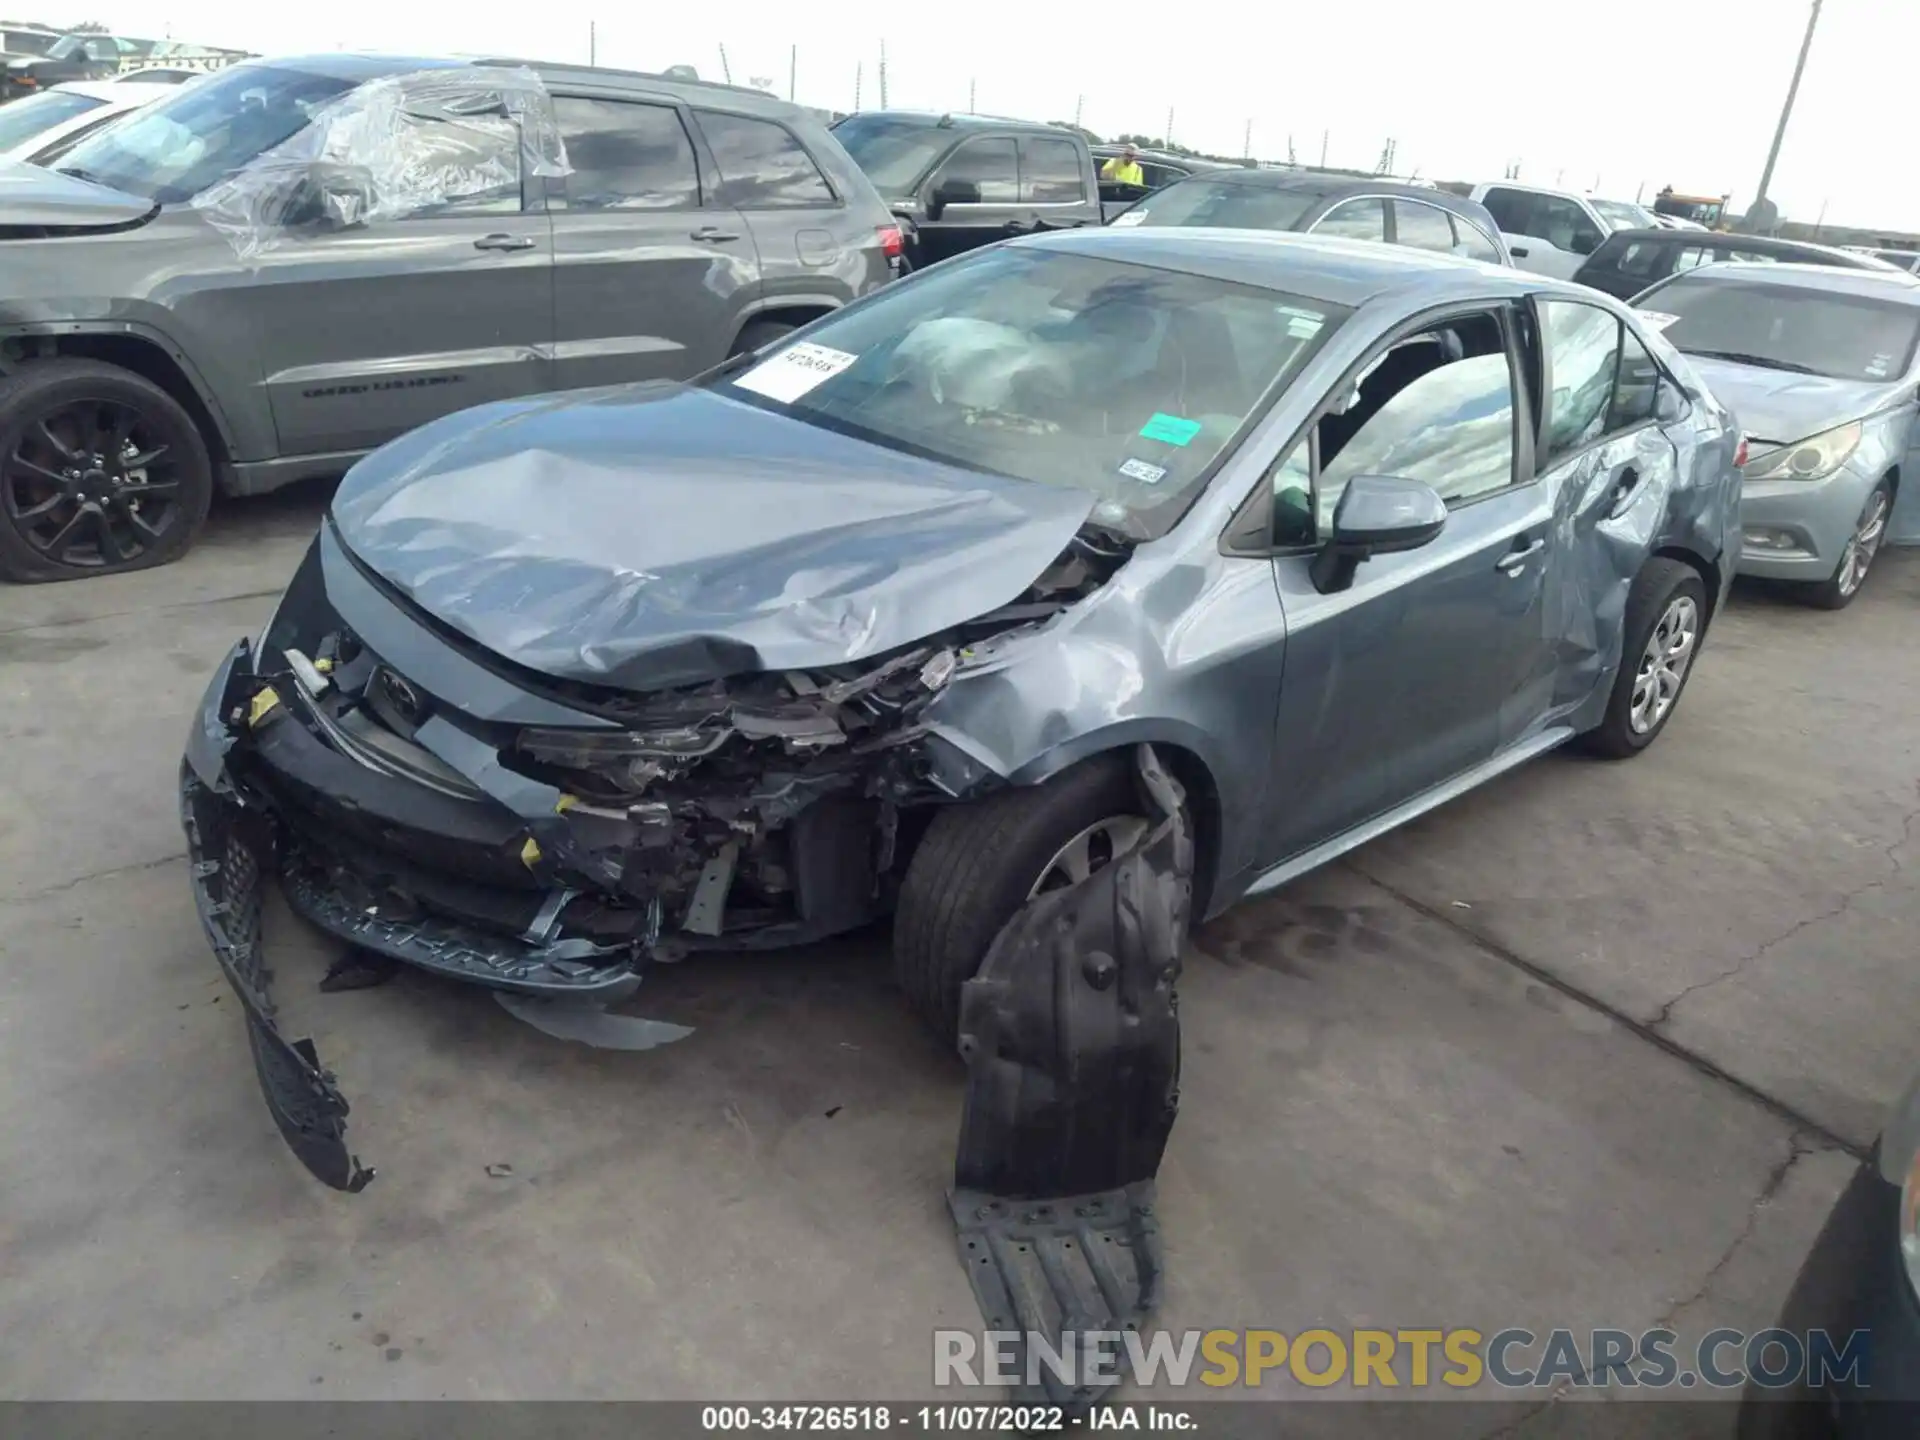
(961, 120)
(1776, 244)
(1587, 196)
(119, 92)
(1320, 183)
(1840, 280)
(1318, 267)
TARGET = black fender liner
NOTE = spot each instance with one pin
(1071, 1036)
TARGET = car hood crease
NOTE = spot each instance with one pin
(654, 536)
(33, 196)
(1781, 407)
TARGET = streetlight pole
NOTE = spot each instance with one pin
(1786, 110)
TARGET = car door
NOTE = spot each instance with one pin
(1053, 182)
(1402, 681)
(443, 301)
(973, 198)
(1605, 467)
(653, 269)
(1547, 234)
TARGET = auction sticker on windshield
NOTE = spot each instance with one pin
(1132, 217)
(795, 370)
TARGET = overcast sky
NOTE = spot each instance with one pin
(1621, 97)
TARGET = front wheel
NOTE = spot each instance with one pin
(1837, 591)
(1665, 618)
(101, 471)
(981, 862)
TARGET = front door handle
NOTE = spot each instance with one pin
(714, 235)
(504, 242)
(1623, 489)
(1514, 561)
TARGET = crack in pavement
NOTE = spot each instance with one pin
(1896, 867)
(1561, 1389)
(1796, 1121)
(77, 881)
(1797, 1150)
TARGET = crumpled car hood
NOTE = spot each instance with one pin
(652, 536)
(33, 196)
(1781, 407)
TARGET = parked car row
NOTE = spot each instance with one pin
(44, 126)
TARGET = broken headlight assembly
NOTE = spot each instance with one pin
(1814, 458)
(626, 759)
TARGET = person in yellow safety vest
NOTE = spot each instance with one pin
(1124, 168)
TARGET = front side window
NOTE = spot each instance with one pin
(1788, 327)
(1424, 227)
(1228, 204)
(1451, 428)
(176, 148)
(980, 172)
(1509, 208)
(626, 155)
(1050, 172)
(1583, 354)
(1125, 381)
(466, 167)
(1618, 215)
(1363, 219)
(1565, 226)
(762, 165)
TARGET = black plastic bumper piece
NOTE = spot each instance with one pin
(230, 852)
(1072, 1041)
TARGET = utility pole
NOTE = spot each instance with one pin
(1079, 102)
(793, 70)
(1323, 148)
(593, 44)
(883, 74)
(1820, 220)
(856, 87)
(1246, 145)
(1760, 213)
(725, 69)
(1290, 159)
(973, 91)
(1169, 140)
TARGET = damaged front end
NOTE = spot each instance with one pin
(552, 846)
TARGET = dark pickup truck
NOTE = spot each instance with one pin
(71, 57)
(957, 182)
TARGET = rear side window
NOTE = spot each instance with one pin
(1473, 242)
(762, 165)
(626, 156)
(1423, 227)
(981, 172)
(1050, 172)
(1364, 219)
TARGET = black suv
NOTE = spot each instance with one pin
(962, 181)
(1629, 261)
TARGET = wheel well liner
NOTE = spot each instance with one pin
(151, 361)
(1708, 570)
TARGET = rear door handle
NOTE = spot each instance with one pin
(1514, 561)
(504, 242)
(714, 235)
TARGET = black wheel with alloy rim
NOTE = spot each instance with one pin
(100, 471)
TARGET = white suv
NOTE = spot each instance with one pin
(1551, 232)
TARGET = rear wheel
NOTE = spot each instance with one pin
(101, 471)
(757, 333)
(1837, 591)
(981, 862)
(1665, 618)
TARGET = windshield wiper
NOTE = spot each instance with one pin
(1766, 362)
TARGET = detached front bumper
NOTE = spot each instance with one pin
(249, 767)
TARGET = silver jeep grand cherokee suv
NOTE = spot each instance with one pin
(281, 267)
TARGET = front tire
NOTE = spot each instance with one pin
(1838, 590)
(1665, 619)
(101, 472)
(980, 862)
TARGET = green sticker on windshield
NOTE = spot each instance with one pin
(1170, 429)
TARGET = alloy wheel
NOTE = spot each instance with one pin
(1089, 852)
(1663, 664)
(1865, 544)
(91, 484)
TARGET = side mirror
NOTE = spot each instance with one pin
(329, 196)
(951, 192)
(1584, 244)
(1377, 515)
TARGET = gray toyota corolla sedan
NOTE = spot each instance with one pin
(1819, 366)
(894, 615)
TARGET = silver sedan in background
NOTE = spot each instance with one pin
(1819, 365)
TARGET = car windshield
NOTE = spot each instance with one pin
(180, 145)
(1229, 204)
(1787, 327)
(894, 152)
(1621, 216)
(26, 42)
(1117, 379)
(32, 117)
